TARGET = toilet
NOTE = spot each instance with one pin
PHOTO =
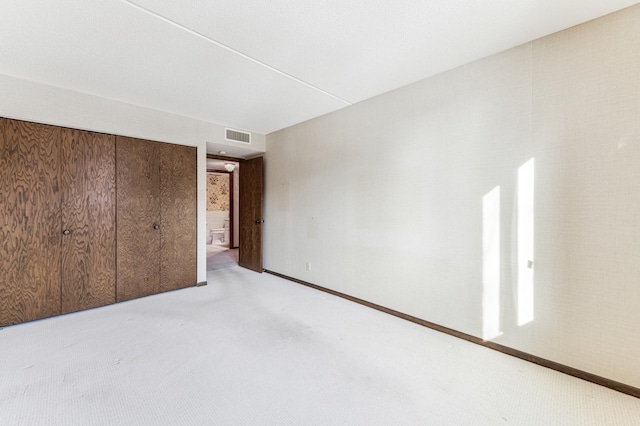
(216, 236)
(218, 227)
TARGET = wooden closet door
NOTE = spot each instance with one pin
(29, 221)
(138, 218)
(178, 190)
(88, 220)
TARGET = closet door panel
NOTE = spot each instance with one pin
(88, 220)
(29, 221)
(178, 189)
(138, 216)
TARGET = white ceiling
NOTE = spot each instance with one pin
(263, 65)
(214, 164)
(232, 151)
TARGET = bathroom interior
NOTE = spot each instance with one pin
(222, 214)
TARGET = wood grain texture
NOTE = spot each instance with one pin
(88, 269)
(29, 221)
(250, 217)
(138, 210)
(178, 201)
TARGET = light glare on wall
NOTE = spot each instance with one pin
(525, 242)
(491, 264)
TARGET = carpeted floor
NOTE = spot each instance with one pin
(221, 257)
(253, 349)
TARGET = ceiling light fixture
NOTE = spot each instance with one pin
(229, 167)
(222, 152)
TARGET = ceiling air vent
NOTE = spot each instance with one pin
(237, 136)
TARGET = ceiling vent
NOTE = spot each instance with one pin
(237, 136)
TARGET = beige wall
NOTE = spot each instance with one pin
(385, 198)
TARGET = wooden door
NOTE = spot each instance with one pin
(88, 220)
(29, 221)
(178, 201)
(250, 253)
(138, 218)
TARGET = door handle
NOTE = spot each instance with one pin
(66, 232)
(156, 226)
(259, 221)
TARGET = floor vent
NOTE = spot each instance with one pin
(237, 136)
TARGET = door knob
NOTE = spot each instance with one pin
(259, 221)
(66, 232)
(156, 226)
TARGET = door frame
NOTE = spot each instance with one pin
(231, 206)
(232, 223)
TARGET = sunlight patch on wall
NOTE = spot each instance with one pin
(491, 264)
(525, 242)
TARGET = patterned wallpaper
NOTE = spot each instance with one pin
(217, 192)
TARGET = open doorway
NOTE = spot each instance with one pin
(241, 227)
(222, 213)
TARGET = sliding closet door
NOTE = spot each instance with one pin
(29, 221)
(138, 218)
(178, 191)
(88, 220)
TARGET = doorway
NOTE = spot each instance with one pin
(241, 227)
(222, 213)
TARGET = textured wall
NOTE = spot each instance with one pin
(388, 199)
(218, 192)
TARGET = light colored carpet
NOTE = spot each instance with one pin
(221, 257)
(253, 349)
